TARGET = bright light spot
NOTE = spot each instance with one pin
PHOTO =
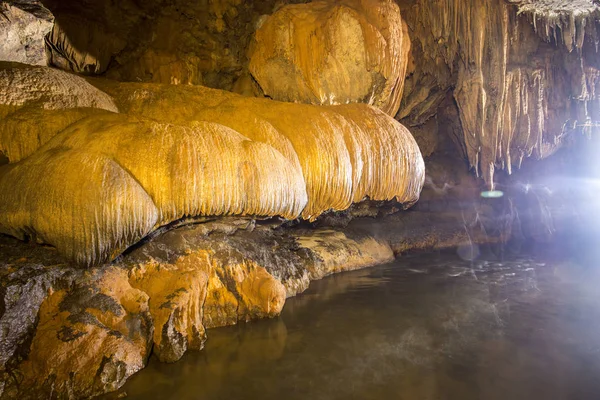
(492, 194)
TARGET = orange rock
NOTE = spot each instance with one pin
(333, 52)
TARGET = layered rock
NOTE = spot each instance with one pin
(333, 52)
(134, 175)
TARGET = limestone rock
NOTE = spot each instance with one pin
(48, 89)
(336, 252)
(346, 153)
(241, 291)
(177, 294)
(27, 129)
(255, 157)
(333, 52)
(175, 42)
(519, 96)
(87, 51)
(92, 334)
(22, 34)
(72, 332)
(562, 21)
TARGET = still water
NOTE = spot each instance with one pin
(424, 327)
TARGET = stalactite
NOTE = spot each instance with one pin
(566, 22)
(512, 89)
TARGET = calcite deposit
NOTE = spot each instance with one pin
(22, 33)
(519, 87)
(333, 52)
(68, 332)
(151, 208)
(134, 174)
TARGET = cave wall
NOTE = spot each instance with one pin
(179, 42)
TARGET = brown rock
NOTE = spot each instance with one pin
(177, 294)
(333, 52)
(336, 252)
(90, 338)
(241, 292)
(173, 42)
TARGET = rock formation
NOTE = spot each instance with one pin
(518, 95)
(177, 42)
(505, 62)
(194, 208)
(333, 52)
(72, 332)
(22, 31)
(38, 102)
(134, 175)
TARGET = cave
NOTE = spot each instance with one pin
(326, 199)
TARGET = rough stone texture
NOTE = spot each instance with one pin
(179, 42)
(22, 34)
(89, 338)
(333, 52)
(48, 89)
(134, 175)
(66, 332)
(86, 333)
(176, 295)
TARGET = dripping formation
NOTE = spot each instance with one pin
(512, 90)
(172, 154)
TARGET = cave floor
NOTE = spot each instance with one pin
(427, 326)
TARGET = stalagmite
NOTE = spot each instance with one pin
(108, 179)
(333, 52)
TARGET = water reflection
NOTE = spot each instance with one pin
(424, 327)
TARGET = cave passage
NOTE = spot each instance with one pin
(427, 326)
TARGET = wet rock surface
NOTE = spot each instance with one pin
(75, 333)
